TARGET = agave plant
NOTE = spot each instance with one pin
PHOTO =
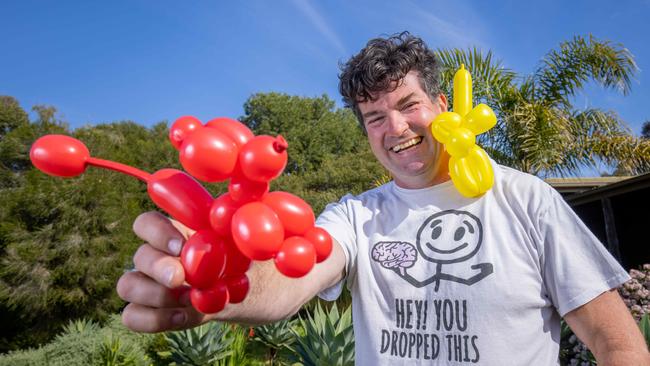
(80, 326)
(328, 338)
(203, 345)
(238, 340)
(113, 352)
(276, 336)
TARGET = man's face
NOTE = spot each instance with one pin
(397, 124)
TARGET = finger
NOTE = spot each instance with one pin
(138, 288)
(158, 230)
(151, 320)
(162, 267)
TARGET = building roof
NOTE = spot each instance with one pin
(580, 190)
(569, 186)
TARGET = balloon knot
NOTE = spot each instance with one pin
(280, 144)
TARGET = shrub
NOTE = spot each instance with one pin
(328, 337)
(84, 343)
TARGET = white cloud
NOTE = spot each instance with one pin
(453, 24)
(320, 24)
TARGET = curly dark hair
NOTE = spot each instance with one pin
(382, 65)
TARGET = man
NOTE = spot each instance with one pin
(435, 277)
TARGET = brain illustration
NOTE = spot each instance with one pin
(394, 254)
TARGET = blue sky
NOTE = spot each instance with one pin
(148, 61)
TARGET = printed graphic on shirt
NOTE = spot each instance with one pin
(426, 329)
(445, 237)
(434, 329)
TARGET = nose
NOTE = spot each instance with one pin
(397, 124)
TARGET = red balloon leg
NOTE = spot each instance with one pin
(211, 300)
(322, 242)
(295, 214)
(237, 288)
(243, 190)
(257, 231)
(203, 258)
(221, 212)
(296, 257)
(236, 262)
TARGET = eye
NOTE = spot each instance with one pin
(460, 232)
(374, 120)
(435, 234)
(410, 106)
(437, 230)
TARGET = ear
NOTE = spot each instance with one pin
(442, 102)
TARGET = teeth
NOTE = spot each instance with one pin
(407, 144)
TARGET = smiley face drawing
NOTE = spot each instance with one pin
(449, 237)
(445, 237)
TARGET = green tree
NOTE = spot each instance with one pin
(645, 130)
(65, 242)
(11, 115)
(328, 154)
(539, 130)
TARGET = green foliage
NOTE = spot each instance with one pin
(113, 352)
(12, 115)
(644, 326)
(311, 126)
(328, 337)
(239, 341)
(275, 337)
(328, 154)
(87, 344)
(539, 131)
(65, 242)
(80, 326)
(203, 345)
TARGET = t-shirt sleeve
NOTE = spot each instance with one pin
(336, 220)
(576, 266)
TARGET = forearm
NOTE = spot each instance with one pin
(273, 296)
(626, 349)
(609, 331)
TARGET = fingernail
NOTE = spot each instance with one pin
(169, 275)
(178, 318)
(174, 246)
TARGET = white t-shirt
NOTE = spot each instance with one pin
(442, 279)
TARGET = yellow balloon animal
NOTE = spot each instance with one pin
(469, 166)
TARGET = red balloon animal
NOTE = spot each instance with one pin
(246, 223)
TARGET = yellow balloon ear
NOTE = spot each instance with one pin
(442, 126)
(464, 182)
(472, 175)
(480, 161)
(480, 119)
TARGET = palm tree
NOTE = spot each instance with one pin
(539, 131)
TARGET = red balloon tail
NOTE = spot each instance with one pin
(118, 167)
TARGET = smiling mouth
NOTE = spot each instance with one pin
(407, 144)
(446, 251)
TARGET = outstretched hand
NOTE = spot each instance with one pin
(156, 290)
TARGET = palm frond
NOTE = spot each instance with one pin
(566, 70)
